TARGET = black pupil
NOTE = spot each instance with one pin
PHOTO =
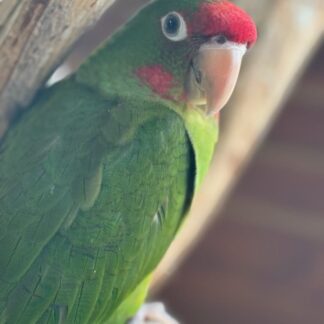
(172, 24)
(221, 39)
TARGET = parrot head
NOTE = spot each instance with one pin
(185, 51)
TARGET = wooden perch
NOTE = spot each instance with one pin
(288, 33)
(34, 37)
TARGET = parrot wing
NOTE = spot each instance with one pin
(48, 172)
(51, 205)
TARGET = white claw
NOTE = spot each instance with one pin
(153, 313)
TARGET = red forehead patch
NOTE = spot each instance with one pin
(159, 80)
(223, 17)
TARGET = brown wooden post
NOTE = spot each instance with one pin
(34, 37)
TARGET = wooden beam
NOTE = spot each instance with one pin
(34, 37)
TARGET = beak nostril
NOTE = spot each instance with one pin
(198, 76)
(197, 73)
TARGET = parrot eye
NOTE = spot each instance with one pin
(174, 27)
(220, 39)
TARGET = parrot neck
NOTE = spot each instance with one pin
(115, 71)
(109, 72)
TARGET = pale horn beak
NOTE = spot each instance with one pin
(213, 75)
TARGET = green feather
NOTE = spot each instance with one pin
(95, 180)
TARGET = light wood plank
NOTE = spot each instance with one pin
(34, 39)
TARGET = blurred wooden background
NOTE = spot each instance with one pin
(36, 35)
(263, 261)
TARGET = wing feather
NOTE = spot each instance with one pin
(77, 206)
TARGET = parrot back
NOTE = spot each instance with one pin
(106, 186)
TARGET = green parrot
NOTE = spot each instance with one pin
(99, 173)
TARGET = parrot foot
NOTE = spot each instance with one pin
(153, 313)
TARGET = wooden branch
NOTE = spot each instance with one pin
(289, 31)
(34, 37)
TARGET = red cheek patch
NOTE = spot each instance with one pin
(156, 78)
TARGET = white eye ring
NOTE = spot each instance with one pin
(174, 27)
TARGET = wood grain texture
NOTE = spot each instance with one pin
(6, 6)
(289, 31)
(35, 36)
